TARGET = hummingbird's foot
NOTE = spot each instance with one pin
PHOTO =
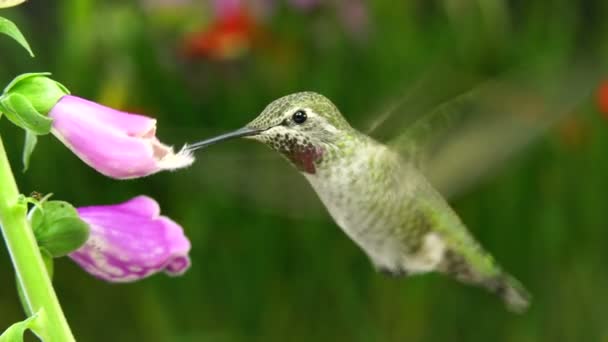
(392, 272)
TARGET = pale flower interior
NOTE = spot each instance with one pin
(164, 155)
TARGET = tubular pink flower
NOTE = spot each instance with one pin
(117, 144)
(131, 241)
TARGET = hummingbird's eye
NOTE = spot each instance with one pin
(299, 117)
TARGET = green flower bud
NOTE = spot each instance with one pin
(27, 100)
(58, 228)
(42, 92)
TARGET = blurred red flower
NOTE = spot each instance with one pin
(602, 98)
(228, 37)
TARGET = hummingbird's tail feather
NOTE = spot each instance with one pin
(490, 277)
(513, 293)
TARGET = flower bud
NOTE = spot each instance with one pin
(42, 92)
(58, 228)
(27, 100)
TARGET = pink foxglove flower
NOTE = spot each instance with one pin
(117, 144)
(130, 241)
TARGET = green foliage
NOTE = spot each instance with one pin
(31, 139)
(10, 29)
(268, 264)
(15, 332)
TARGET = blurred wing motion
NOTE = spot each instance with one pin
(461, 141)
(257, 177)
(456, 144)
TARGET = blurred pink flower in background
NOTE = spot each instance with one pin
(354, 17)
(226, 8)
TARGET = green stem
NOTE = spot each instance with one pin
(27, 260)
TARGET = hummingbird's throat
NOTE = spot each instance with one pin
(305, 157)
(303, 154)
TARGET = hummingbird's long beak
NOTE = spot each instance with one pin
(242, 132)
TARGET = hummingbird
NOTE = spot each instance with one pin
(378, 197)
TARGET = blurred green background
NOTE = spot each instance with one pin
(268, 264)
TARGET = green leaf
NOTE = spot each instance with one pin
(15, 332)
(10, 3)
(10, 115)
(58, 228)
(30, 144)
(21, 112)
(10, 29)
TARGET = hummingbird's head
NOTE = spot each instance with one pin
(301, 126)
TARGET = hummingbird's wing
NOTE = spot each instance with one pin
(255, 177)
(463, 139)
(455, 143)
